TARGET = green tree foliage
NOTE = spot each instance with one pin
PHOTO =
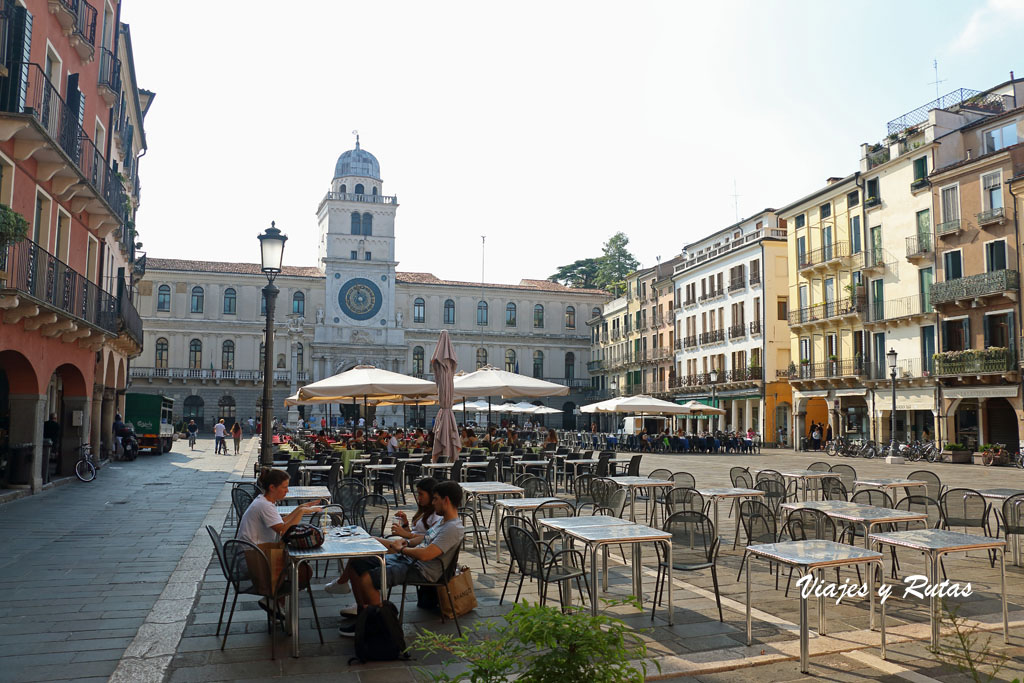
(606, 271)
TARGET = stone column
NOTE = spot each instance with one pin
(28, 412)
(799, 428)
(735, 414)
(96, 416)
(982, 415)
(107, 423)
(748, 416)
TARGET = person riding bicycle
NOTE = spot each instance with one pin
(193, 430)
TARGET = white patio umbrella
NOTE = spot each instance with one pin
(490, 381)
(697, 408)
(366, 381)
(544, 410)
(640, 403)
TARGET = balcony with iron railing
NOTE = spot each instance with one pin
(749, 374)
(736, 284)
(906, 369)
(687, 303)
(363, 198)
(213, 374)
(919, 247)
(54, 137)
(129, 321)
(756, 328)
(595, 365)
(713, 294)
(689, 341)
(659, 354)
(734, 245)
(737, 331)
(831, 310)
(829, 255)
(690, 382)
(616, 335)
(974, 362)
(109, 80)
(975, 286)
(877, 156)
(78, 20)
(830, 369)
(991, 216)
(894, 309)
(755, 278)
(712, 337)
(42, 287)
(871, 260)
(949, 227)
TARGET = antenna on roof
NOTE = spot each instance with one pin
(935, 65)
(356, 133)
(735, 200)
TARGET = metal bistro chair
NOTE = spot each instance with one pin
(847, 474)
(875, 497)
(832, 488)
(815, 484)
(249, 572)
(695, 547)
(760, 526)
(683, 498)
(471, 526)
(968, 509)
(538, 560)
(774, 494)
(218, 549)
(741, 478)
(241, 499)
(805, 524)
(934, 485)
(447, 572)
(372, 513)
(550, 509)
(347, 493)
(534, 487)
(1011, 521)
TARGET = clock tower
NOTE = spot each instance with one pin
(357, 252)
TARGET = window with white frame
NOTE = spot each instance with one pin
(950, 204)
(995, 256)
(992, 191)
(998, 138)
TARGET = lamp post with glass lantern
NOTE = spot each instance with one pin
(271, 254)
(894, 457)
(714, 380)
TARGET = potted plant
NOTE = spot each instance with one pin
(13, 229)
(958, 453)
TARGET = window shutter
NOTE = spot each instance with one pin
(1010, 332)
(990, 181)
(984, 329)
(966, 323)
(17, 58)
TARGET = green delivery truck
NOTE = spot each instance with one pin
(150, 415)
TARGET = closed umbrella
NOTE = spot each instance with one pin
(446, 431)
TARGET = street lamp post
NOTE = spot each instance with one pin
(894, 456)
(271, 254)
(714, 380)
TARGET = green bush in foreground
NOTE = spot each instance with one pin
(541, 645)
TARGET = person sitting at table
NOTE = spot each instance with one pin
(551, 440)
(421, 557)
(392, 443)
(468, 438)
(262, 523)
(425, 517)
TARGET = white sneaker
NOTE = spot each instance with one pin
(338, 587)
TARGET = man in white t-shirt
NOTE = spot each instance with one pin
(220, 433)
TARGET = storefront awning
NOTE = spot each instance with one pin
(980, 392)
(811, 394)
(906, 399)
(850, 392)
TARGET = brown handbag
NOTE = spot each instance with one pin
(463, 597)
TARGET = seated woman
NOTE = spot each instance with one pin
(551, 440)
(425, 516)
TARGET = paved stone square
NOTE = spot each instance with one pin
(117, 578)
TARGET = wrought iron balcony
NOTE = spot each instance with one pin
(713, 294)
(832, 253)
(736, 284)
(690, 341)
(691, 382)
(595, 365)
(906, 368)
(750, 374)
(828, 370)
(991, 216)
(973, 286)
(129, 321)
(212, 374)
(974, 362)
(109, 77)
(83, 36)
(54, 298)
(755, 328)
(871, 202)
(919, 246)
(950, 227)
(918, 184)
(827, 311)
(871, 260)
(52, 136)
(616, 335)
(689, 302)
(737, 331)
(712, 337)
(755, 278)
(894, 309)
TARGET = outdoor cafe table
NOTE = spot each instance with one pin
(599, 537)
(867, 516)
(562, 524)
(335, 547)
(530, 463)
(809, 557)
(889, 484)
(307, 493)
(1002, 495)
(347, 455)
(716, 493)
(803, 476)
(634, 483)
(580, 462)
(516, 506)
(371, 472)
(475, 489)
(938, 542)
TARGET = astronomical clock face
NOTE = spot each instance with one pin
(359, 299)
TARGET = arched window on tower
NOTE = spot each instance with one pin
(538, 364)
(481, 313)
(227, 355)
(449, 312)
(570, 317)
(359, 188)
(419, 310)
(343, 189)
(367, 224)
(570, 365)
(299, 303)
(510, 361)
(481, 358)
(374, 190)
(417, 360)
(595, 313)
(356, 224)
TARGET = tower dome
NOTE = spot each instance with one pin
(357, 162)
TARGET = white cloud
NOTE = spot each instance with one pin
(993, 19)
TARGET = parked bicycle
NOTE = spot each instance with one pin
(85, 468)
(996, 454)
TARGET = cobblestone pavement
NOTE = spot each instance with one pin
(133, 547)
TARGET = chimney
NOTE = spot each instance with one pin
(832, 180)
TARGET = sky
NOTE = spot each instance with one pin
(546, 126)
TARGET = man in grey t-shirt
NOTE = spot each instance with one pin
(421, 558)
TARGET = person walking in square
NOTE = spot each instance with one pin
(220, 433)
(236, 434)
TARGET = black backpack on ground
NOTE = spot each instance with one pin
(379, 636)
